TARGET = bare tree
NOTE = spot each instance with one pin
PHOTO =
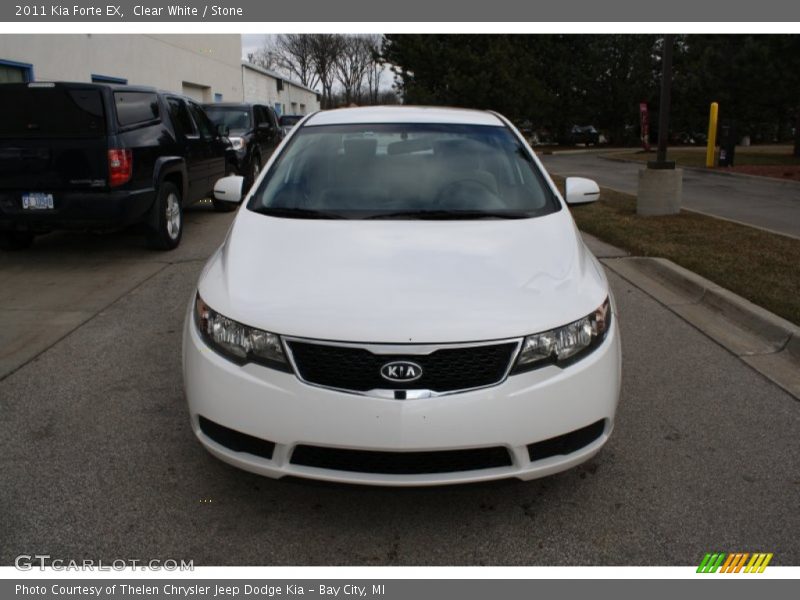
(352, 61)
(297, 57)
(325, 50)
(352, 64)
(374, 43)
(266, 57)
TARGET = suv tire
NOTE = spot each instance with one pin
(168, 229)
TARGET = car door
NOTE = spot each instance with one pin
(268, 131)
(188, 137)
(214, 146)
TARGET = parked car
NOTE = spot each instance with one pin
(98, 156)
(254, 134)
(404, 300)
(288, 121)
(584, 135)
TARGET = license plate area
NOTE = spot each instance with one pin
(37, 201)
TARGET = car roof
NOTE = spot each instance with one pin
(114, 87)
(404, 114)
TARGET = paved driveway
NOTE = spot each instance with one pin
(98, 460)
(773, 205)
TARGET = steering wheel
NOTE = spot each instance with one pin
(467, 194)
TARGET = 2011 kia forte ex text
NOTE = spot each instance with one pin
(403, 299)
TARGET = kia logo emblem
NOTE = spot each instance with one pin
(401, 371)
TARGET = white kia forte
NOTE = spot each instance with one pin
(403, 299)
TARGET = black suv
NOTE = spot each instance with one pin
(254, 133)
(100, 156)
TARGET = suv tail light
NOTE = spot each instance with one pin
(120, 167)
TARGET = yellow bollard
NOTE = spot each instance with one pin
(712, 134)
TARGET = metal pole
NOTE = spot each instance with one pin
(712, 134)
(664, 108)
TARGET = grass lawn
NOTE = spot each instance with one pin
(760, 266)
(696, 157)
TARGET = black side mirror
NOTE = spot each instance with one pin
(266, 126)
(223, 130)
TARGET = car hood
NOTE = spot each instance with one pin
(403, 281)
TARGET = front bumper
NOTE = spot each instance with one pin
(276, 408)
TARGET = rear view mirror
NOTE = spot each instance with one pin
(229, 189)
(580, 190)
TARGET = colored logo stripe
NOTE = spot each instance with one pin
(733, 563)
(758, 563)
(711, 562)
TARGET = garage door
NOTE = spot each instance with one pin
(201, 93)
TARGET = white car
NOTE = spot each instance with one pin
(403, 299)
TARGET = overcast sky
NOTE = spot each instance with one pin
(252, 42)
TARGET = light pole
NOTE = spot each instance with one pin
(664, 106)
(660, 183)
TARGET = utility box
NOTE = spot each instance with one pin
(727, 145)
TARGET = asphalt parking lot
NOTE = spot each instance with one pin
(770, 204)
(98, 460)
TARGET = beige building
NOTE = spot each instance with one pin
(285, 96)
(205, 67)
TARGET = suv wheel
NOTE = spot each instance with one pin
(15, 240)
(168, 229)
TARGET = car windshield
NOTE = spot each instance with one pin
(233, 117)
(404, 171)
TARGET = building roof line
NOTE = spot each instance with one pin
(275, 75)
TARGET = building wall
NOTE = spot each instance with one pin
(293, 99)
(201, 66)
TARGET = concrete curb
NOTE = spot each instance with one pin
(765, 341)
(775, 180)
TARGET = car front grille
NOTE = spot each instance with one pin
(357, 369)
(401, 463)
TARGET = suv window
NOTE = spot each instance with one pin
(51, 110)
(180, 117)
(233, 117)
(203, 123)
(265, 115)
(258, 116)
(135, 107)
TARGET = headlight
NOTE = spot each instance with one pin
(237, 342)
(564, 344)
(238, 143)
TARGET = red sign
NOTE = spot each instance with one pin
(645, 121)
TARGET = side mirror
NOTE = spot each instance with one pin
(580, 190)
(229, 189)
(223, 130)
(265, 126)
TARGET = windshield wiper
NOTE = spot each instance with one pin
(298, 213)
(445, 215)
